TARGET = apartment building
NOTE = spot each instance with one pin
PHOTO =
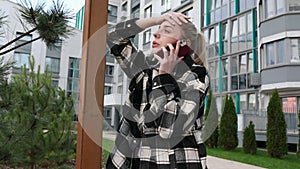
(253, 47)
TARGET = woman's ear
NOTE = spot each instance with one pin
(189, 42)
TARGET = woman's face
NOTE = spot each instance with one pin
(167, 33)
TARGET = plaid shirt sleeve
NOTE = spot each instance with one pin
(176, 103)
(127, 55)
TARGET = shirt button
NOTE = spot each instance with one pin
(155, 83)
(129, 25)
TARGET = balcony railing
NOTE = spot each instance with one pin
(259, 119)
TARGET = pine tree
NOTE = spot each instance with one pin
(210, 130)
(276, 128)
(38, 121)
(228, 127)
(249, 140)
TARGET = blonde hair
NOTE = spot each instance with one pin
(197, 39)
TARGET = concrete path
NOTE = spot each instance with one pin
(212, 162)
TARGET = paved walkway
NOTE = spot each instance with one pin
(212, 162)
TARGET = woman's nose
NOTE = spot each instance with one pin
(156, 35)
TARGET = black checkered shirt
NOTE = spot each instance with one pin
(162, 117)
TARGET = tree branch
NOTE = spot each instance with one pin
(17, 38)
(2, 53)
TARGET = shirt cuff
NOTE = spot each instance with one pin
(128, 29)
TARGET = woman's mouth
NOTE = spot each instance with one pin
(154, 44)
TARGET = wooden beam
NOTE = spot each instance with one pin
(89, 139)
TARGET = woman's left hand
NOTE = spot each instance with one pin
(170, 60)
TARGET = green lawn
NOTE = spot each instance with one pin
(261, 159)
(107, 146)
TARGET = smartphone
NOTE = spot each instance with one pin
(184, 49)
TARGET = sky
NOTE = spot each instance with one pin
(73, 5)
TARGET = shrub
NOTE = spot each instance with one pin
(228, 127)
(249, 140)
(276, 128)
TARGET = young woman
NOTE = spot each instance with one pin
(162, 117)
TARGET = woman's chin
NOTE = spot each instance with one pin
(154, 50)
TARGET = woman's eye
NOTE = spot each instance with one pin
(167, 31)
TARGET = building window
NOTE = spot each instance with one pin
(213, 41)
(225, 67)
(21, 59)
(270, 54)
(275, 7)
(225, 34)
(295, 50)
(218, 10)
(148, 12)
(107, 112)
(189, 13)
(275, 52)
(166, 5)
(73, 84)
(241, 33)
(25, 38)
(107, 90)
(135, 12)
(289, 105)
(294, 5)
(280, 51)
(270, 8)
(53, 64)
(55, 84)
(232, 7)
(241, 68)
(214, 73)
(280, 6)
(251, 101)
(112, 13)
(109, 70)
(120, 89)
(124, 7)
(147, 39)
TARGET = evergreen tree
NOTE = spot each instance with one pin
(249, 140)
(228, 127)
(37, 121)
(276, 128)
(210, 130)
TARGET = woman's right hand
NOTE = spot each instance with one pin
(173, 18)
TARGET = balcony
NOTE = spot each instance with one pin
(259, 119)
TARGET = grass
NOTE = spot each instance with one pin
(107, 146)
(261, 159)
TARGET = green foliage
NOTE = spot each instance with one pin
(211, 122)
(51, 24)
(298, 152)
(249, 140)
(228, 127)
(36, 130)
(276, 128)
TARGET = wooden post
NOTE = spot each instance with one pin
(89, 139)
